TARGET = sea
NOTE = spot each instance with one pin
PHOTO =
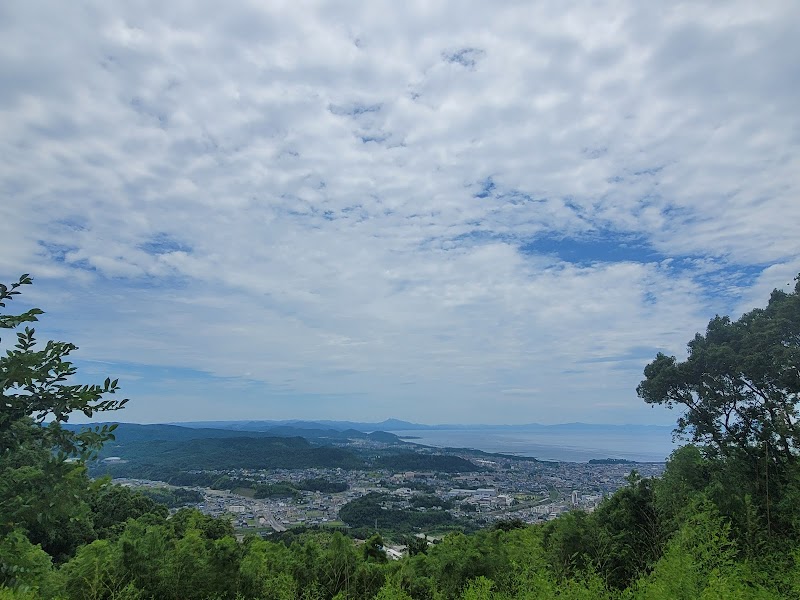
(650, 445)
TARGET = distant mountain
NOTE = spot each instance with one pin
(383, 436)
(127, 433)
(329, 435)
(387, 425)
(391, 425)
(134, 432)
(257, 425)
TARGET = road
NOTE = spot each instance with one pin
(264, 513)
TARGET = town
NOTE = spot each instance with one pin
(506, 488)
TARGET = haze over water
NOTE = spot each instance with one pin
(642, 446)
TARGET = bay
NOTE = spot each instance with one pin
(641, 445)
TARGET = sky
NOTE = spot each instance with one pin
(436, 211)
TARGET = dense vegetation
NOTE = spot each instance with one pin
(722, 522)
(411, 461)
(172, 497)
(126, 433)
(317, 484)
(379, 510)
(217, 481)
(232, 453)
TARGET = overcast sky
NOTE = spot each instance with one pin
(441, 212)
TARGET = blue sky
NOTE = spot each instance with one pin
(440, 212)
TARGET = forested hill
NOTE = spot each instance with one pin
(134, 432)
(166, 461)
(162, 452)
(155, 458)
(410, 461)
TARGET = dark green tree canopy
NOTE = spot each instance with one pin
(740, 384)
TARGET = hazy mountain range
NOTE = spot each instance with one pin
(399, 425)
(134, 432)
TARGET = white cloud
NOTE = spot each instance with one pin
(332, 199)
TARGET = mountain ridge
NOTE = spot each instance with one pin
(391, 425)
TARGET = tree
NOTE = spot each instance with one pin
(338, 565)
(629, 535)
(42, 493)
(739, 388)
(94, 573)
(32, 386)
(416, 545)
(112, 505)
(686, 475)
(740, 384)
(391, 591)
(373, 549)
(23, 565)
(699, 562)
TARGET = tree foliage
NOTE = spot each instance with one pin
(740, 384)
(739, 389)
(42, 493)
(33, 385)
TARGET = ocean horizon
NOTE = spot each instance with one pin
(563, 446)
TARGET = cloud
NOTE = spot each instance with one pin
(398, 210)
